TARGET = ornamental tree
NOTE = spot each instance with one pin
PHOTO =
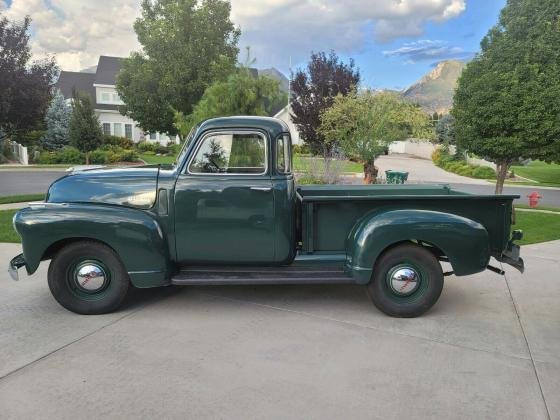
(506, 104)
(314, 90)
(242, 93)
(364, 125)
(57, 120)
(25, 86)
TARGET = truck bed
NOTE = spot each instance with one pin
(327, 213)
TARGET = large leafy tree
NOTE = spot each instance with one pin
(314, 90)
(506, 105)
(25, 85)
(242, 93)
(186, 46)
(57, 120)
(363, 125)
(84, 129)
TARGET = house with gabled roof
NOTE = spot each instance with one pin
(100, 86)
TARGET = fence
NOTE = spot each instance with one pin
(415, 147)
(19, 152)
(424, 149)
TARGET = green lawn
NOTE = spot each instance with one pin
(304, 163)
(21, 198)
(525, 206)
(537, 227)
(542, 172)
(7, 232)
(153, 159)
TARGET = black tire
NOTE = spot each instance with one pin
(65, 285)
(421, 294)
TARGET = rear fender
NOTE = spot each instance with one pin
(464, 241)
(134, 234)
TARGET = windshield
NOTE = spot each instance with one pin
(186, 144)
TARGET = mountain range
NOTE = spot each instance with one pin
(434, 91)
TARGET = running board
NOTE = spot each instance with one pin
(201, 275)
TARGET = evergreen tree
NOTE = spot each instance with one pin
(84, 129)
(57, 120)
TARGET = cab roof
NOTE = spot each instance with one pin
(273, 126)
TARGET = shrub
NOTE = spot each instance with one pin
(70, 155)
(465, 170)
(309, 179)
(30, 138)
(99, 157)
(455, 164)
(173, 149)
(302, 149)
(484, 172)
(121, 142)
(121, 155)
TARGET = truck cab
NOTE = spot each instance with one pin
(230, 212)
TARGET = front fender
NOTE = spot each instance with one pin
(134, 234)
(464, 241)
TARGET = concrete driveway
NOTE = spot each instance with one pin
(490, 348)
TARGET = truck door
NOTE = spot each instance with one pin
(224, 203)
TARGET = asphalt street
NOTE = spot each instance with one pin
(20, 181)
(490, 348)
(421, 171)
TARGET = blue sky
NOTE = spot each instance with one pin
(393, 42)
(398, 71)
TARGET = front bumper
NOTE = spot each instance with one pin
(16, 263)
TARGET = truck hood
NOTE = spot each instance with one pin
(131, 187)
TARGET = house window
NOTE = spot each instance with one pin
(117, 128)
(107, 129)
(128, 131)
(116, 98)
(152, 136)
(105, 97)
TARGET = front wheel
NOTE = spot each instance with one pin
(88, 278)
(407, 281)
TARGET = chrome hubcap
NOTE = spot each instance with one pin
(90, 277)
(404, 281)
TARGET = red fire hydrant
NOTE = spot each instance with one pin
(534, 199)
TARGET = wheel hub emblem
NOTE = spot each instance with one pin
(404, 281)
(90, 277)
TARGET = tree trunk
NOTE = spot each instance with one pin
(502, 171)
(87, 158)
(370, 173)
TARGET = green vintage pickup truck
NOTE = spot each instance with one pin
(229, 212)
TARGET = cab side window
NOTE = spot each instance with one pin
(283, 155)
(230, 153)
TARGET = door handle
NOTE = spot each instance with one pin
(264, 189)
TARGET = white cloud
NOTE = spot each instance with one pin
(78, 31)
(278, 29)
(428, 50)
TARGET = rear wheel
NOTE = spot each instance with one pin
(407, 281)
(88, 278)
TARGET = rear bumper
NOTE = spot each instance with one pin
(15, 264)
(511, 255)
